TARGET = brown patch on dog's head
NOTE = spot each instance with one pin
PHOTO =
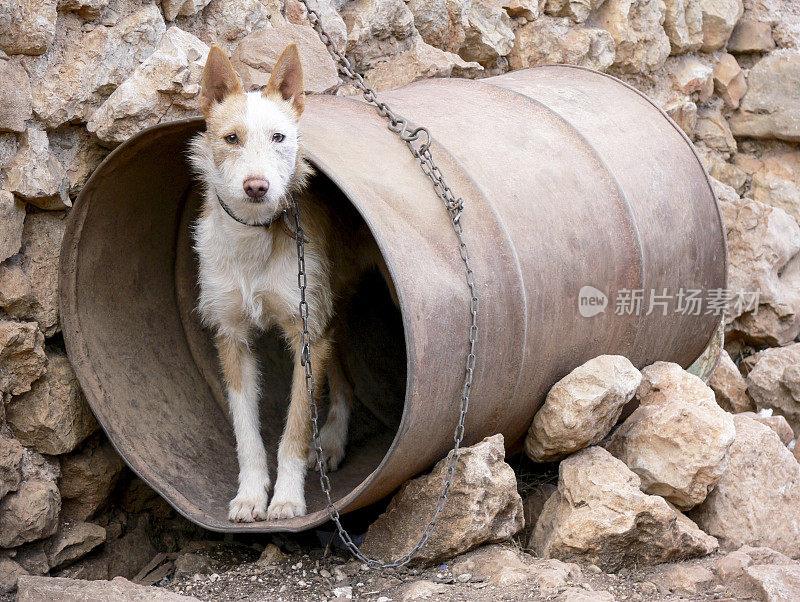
(219, 81)
(286, 81)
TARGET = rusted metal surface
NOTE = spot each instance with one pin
(570, 178)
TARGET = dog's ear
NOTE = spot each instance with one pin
(219, 80)
(286, 80)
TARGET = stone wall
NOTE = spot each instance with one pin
(77, 77)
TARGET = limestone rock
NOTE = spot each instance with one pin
(683, 580)
(770, 107)
(774, 583)
(774, 382)
(677, 440)
(10, 571)
(60, 589)
(224, 22)
(690, 75)
(600, 515)
(553, 40)
(12, 217)
(181, 8)
(729, 386)
(87, 9)
(35, 175)
(27, 27)
(763, 245)
(79, 154)
(421, 590)
(22, 358)
(577, 10)
(328, 13)
(377, 30)
(581, 408)
(53, 417)
(683, 24)
(30, 513)
(776, 422)
(91, 66)
(527, 9)
(712, 129)
(719, 19)
(756, 500)
(483, 506)
(684, 112)
(15, 97)
(88, 476)
(256, 55)
(636, 26)
(10, 464)
(421, 61)
(776, 182)
(729, 82)
(30, 280)
(751, 36)
(73, 540)
(488, 34)
(442, 23)
(163, 88)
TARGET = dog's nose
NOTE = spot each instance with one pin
(256, 187)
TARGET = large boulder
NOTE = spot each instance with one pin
(88, 476)
(22, 358)
(774, 382)
(581, 408)
(600, 515)
(756, 501)
(577, 10)
(35, 175)
(30, 513)
(53, 417)
(678, 439)
(683, 24)
(636, 26)
(61, 589)
(549, 40)
(11, 452)
(377, 30)
(763, 266)
(442, 23)
(15, 97)
(12, 218)
(719, 19)
(770, 107)
(483, 506)
(27, 27)
(751, 35)
(89, 67)
(776, 182)
(729, 386)
(163, 88)
(488, 33)
(256, 55)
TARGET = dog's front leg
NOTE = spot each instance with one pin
(289, 498)
(241, 378)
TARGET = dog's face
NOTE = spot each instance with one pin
(249, 152)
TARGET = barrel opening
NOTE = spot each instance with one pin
(370, 344)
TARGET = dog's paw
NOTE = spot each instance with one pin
(248, 507)
(279, 509)
(331, 455)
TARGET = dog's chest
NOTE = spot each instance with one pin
(248, 274)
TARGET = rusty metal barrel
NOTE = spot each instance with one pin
(571, 179)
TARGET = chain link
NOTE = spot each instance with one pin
(418, 140)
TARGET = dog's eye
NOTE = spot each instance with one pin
(231, 138)
(278, 137)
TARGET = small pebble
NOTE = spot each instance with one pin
(593, 568)
(213, 577)
(325, 574)
(301, 583)
(464, 577)
(253, 578)
(383, 599)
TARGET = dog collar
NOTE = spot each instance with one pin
(283, 216)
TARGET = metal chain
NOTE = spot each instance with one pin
(418, 140)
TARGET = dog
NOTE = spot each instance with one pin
(250, 160)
